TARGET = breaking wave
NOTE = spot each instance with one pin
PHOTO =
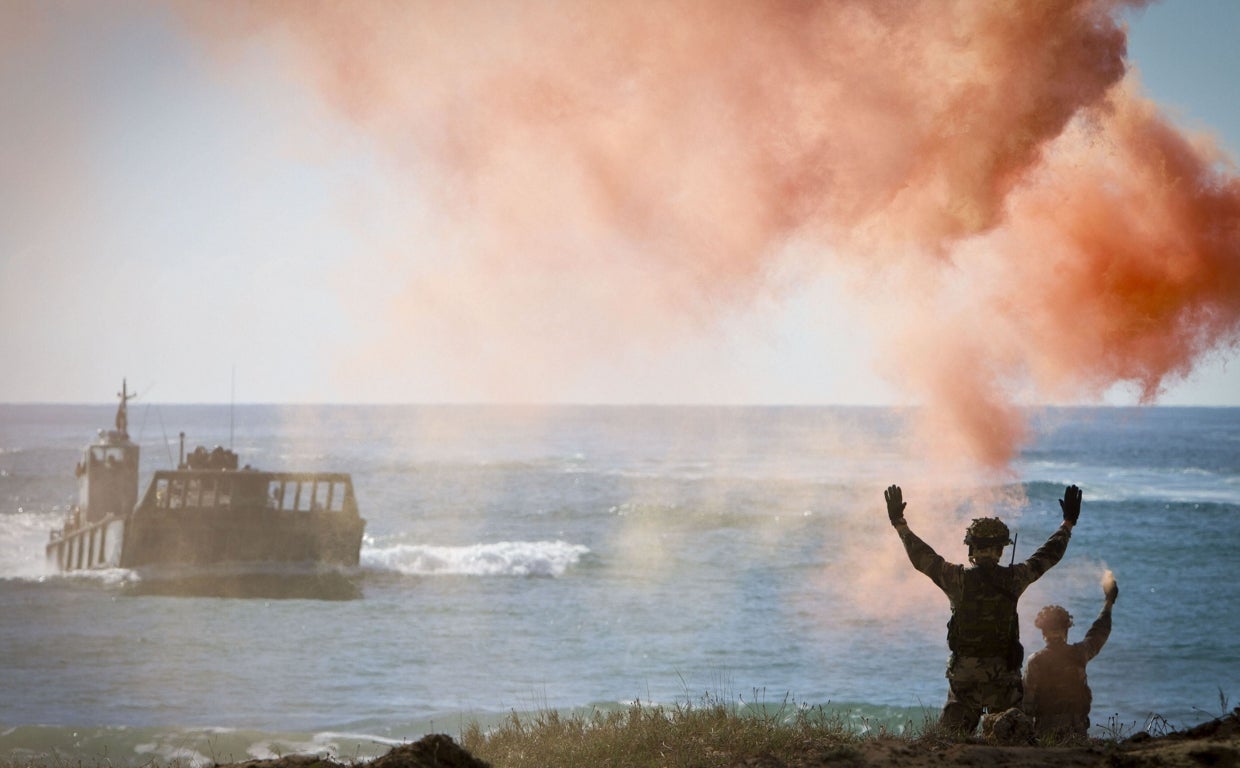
(23, 535)
(505, 558)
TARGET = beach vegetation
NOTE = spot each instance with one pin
(711, 732)
(717, 732)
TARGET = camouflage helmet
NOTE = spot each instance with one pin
(987, 532)
(1053, 617)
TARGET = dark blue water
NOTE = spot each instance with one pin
(525, 558)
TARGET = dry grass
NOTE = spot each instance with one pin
(712, 733)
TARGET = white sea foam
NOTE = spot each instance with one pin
(175, 753)
(505, 558)
(23, 536)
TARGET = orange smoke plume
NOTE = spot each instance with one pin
(1118, 261)
(612, 171)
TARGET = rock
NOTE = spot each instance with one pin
(434, 751)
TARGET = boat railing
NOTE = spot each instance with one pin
(192, 489)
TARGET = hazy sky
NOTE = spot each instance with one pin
(193, 195)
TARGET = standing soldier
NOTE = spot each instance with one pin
(983, 634)
(1057, 694)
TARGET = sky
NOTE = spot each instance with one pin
(621, 203)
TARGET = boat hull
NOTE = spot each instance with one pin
(181, 538)
(302, 581)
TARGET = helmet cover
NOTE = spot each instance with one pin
(987, 532)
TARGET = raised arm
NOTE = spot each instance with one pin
(1100, 630)
(1053, 550)
(920, 554)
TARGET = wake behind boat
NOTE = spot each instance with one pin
(208, 525)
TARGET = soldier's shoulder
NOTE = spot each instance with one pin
(1039, 655)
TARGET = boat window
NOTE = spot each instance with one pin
(161, 493)
(213, 492)
(337, 497)
(105, 455)
(176, 494)
(275, 494)
(305, 496)
(322, 496)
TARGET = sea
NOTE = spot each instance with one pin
(524, 559)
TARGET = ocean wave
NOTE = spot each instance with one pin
(23, 535)
(206, 746)
(1141, 485)
(505, 558)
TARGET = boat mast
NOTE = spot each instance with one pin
(122, 411)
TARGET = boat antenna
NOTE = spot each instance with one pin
(122, 411)
(168, 447)
(145, 411)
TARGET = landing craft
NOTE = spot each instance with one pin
(207, 525)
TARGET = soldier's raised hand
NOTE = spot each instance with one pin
(1110, 588)
(1071, 504)
(895, 504)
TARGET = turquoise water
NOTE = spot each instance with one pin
(577, 557)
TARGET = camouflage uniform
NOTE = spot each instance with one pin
(1057, 694)
(983, 634)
